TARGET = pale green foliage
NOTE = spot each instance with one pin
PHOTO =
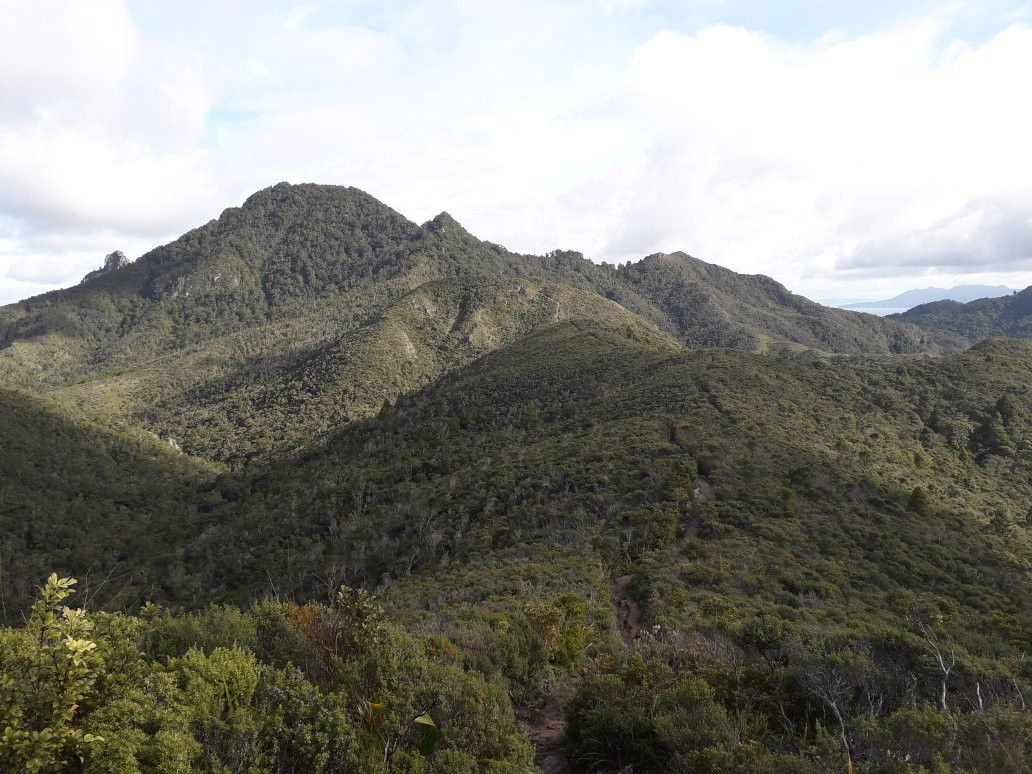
(217, 696)
(46, 670)
(287, 695)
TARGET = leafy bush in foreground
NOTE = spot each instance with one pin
(280, 687)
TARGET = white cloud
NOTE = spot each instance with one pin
(784, 159)
(984, 235)
(538, 124)
(60, 55)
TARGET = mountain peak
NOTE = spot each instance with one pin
(112, 262)
(284, 193)
(444, 224)
(293, 247)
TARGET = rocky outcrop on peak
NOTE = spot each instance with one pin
(112, 262)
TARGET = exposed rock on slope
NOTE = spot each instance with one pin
(112, 262)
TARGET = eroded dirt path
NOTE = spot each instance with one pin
(702, 494)
(545, 726)
(628, 611)
(546, 723)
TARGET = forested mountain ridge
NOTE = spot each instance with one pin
(292, 246)
(392, 486)
(711, 306)
(311, 305)
(969, 323)
(857, 512)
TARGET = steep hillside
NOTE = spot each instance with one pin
(272, 403)
(856, 516)
(711, 306)
(593, 418)
(285, 249)
(310, 306)
(968, 323)
(673, 517)
(289, 251)
(83, 495)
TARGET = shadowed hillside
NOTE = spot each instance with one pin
(855, 510)
(670, 517)
(968, 323)
(105, 501)
(309, 306)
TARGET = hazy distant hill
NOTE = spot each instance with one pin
(911, 298)
(971, 322)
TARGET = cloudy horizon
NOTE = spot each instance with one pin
(848, 152)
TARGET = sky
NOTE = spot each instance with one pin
(849, 150)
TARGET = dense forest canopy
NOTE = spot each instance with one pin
(346, 493)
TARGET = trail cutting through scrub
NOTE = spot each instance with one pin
(546, 725)
(628, 611)
(702, 494)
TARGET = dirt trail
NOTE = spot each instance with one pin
(702, 494)
(628, 611)
(546, 723)
(545, 726)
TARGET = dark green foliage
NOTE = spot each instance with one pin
(651, 717)
(919, 502)
(991, 436)
(969, 323)
(649, 528)
(789, 501)
(88, 498)
(498, 524)
(827, 556)
(309, 306)
(711, 306)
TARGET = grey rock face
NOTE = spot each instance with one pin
(112, 262)
(115, 260)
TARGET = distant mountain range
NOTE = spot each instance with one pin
(911, 298)
(1009, 316)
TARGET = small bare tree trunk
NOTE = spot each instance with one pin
(945, 664)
